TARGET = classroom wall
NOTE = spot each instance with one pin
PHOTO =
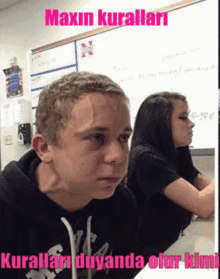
(22, 28)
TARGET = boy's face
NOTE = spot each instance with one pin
(92, 153)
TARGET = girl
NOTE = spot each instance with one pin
(167, 186)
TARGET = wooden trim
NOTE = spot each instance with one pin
(169, 8)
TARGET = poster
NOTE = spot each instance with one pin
(14, 86)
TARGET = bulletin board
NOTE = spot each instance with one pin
(180, 57)
(14, 86)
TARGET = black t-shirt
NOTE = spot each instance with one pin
(161, 219)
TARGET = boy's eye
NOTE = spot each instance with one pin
(124, 138)
(97, 138)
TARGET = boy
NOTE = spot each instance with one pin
(64, 197)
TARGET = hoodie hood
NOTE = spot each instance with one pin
(24, 198)
(31, 223)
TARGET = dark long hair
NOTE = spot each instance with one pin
(153, 123)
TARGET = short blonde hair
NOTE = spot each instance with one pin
(56, 100)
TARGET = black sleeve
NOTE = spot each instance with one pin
(185, 165)
(126, 212)
(126, 243)
(154, 173)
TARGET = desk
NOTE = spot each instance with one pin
(197, 237)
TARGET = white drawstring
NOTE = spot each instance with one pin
(89, 244)
(72, 246)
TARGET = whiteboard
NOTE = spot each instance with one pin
(180, 57)
(48, 66)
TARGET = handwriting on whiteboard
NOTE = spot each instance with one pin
(169, 57)
(129, 73)
(201, 115)
(47, 62)
(182, 70)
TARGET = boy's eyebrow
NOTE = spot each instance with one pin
(99, 128)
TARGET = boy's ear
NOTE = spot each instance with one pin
(40, 145)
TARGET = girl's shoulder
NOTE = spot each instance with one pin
(146, 152)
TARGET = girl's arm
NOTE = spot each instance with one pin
(200, 182)
(186, 195)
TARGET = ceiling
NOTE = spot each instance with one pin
(5, 4)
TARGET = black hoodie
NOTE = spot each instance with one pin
(31, 227)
